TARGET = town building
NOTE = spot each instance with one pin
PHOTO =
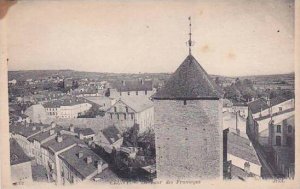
(127, 111)
(109, 138)
(137, 87)
(261, 112)
(36, 113)
(282, 140)
(20, 164)
(79, 163)
(51, 150)
(67, 107)
(240, 158)
(188, 125)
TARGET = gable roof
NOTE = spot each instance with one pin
(68, 140)
(258, 105)
(240, 146)
(112, 134)
(136, 103)
(79, 164)
(134, 85)
(189, 81)
(17, 155)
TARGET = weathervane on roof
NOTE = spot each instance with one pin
(190, 43)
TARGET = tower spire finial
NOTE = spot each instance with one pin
(190, 43)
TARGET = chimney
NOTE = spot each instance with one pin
(247, 167)
(52, 131)
(142, 81)
(71, 128)
(81, 136)
(250, 144)
(99, 166)
(80, 154)
(59, 138)
(34, 128)
(89, 159)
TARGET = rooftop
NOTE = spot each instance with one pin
(17, 155)
(68, 140)
(26, 129)
(137, 103)
(189, 81)
(79, 163)
(240, 146)
(84, 131)
(112, 134)
(44, 134)
(134, 85)
(64, 101)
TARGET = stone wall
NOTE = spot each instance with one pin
(188, 138)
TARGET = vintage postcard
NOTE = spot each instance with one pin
(198, 93)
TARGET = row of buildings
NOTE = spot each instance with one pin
(65, 154)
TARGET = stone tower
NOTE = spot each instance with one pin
(188, 125)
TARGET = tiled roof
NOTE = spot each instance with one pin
(84, 131)
(79, 164)
(70, 101)
(239, 146)
(28, 130)
(277, 100)
(68, 140)
(110, 133)
(137, 103)
(189, 81)
(17, 155)
(134, 85)
(258, 105)
(45, 134)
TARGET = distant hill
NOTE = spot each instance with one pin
(41, 74)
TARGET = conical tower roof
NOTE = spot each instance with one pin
(189, 82)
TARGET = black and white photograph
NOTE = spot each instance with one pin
(148, 92)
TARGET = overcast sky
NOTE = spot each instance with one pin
(233, 38)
